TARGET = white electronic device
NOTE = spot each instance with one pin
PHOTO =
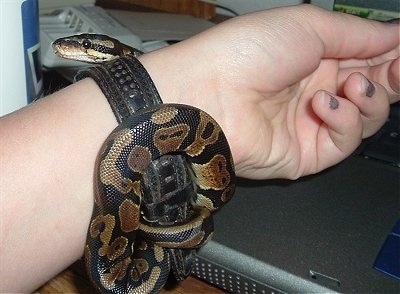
(68, 21)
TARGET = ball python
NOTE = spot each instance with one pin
(92, 48)
(126, 252)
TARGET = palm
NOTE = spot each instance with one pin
(277, 127)
(282, 130)
(261, 86)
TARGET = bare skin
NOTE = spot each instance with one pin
(289, 89)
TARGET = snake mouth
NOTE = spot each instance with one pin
(71, 50)
(74, 51)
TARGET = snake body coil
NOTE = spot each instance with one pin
(118, 249)
(126, 250)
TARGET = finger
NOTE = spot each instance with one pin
(347, 36)
(371, 99)
(376, 60)
(386, 74)
(341, 130)
(394, 79)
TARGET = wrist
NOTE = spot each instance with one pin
(201, 86)
(161, 71)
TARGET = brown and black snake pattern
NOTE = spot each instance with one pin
(126, 252)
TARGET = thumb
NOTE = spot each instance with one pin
(360, 34)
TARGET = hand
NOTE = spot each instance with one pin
(288, 86)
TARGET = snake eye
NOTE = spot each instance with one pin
(86, 44)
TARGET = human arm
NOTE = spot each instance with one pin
(257, 75)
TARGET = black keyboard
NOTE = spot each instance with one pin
(385, 144)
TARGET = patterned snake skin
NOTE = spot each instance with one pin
(129, 248)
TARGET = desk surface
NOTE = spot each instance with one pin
(75, 280)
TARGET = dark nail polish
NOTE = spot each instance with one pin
(370, 89)
(333, 103)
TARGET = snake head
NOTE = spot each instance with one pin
(91, 48)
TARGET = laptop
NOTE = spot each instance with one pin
(319, 234)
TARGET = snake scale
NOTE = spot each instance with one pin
(126, 250)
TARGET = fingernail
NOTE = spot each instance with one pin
(333, 102)
(369, 88)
